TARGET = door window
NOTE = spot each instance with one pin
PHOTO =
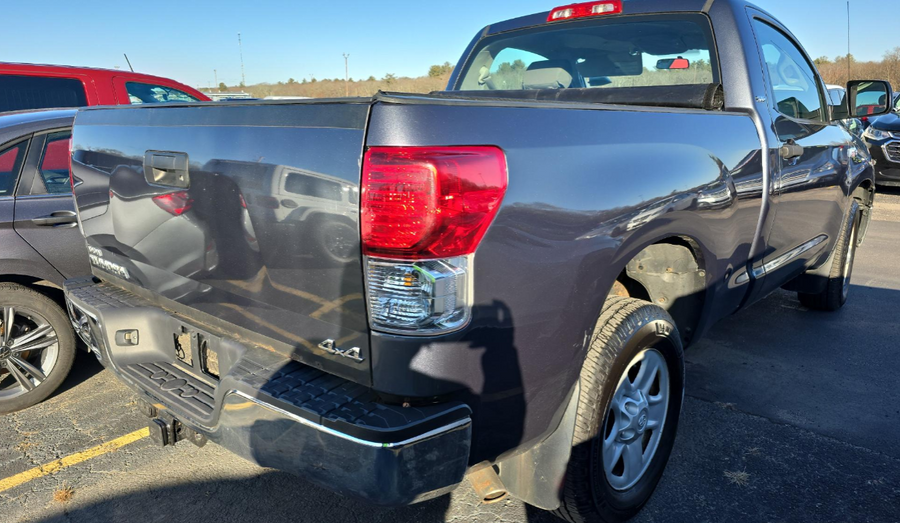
(34, 92)
(10, 162)
(55, 163)
(791, 78)
(141, 93)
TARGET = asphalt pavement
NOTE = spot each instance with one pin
(790, 415)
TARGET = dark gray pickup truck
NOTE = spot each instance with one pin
(388, 295)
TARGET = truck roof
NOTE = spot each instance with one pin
(631, 7)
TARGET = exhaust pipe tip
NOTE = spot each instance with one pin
(488, 486)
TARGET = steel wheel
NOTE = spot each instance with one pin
(29, 351)
(635, 420)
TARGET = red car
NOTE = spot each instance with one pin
(30, 86)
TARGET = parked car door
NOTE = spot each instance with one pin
(12, 156)
(810, 181)
(45, 208)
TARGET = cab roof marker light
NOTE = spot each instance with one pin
(570, 12)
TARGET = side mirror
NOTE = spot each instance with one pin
(866, 98)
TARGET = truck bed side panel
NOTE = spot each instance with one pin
(588, 189)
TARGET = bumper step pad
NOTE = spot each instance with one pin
(339, 404)
(271, 378)
(173, 385)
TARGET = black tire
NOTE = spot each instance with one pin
(834, 295)
(28, 299)
(626, 327)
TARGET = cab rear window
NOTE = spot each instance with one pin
(644, 51)
(19, 93)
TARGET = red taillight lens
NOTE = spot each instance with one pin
(429, 202)
(176, 203)
(568, 12)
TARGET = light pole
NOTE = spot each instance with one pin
(241, 51)
(849, 74)
(216, 75)
(346, 75)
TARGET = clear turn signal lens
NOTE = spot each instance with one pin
(425, 297)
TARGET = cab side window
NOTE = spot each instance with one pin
(54, 166)
(19, 92)
(11, 159)
(792, 79)
(140, 93)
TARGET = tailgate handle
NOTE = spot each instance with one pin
(57, 218)
(167, 168)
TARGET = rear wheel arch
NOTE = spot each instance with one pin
(670, 272)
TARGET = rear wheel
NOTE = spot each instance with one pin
(837, 287)
(37, 347)
(632, 387)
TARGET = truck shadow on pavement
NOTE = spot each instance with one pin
(733, 421)
(84, 368)
(272, 497)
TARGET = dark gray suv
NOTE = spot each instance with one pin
(41, 248)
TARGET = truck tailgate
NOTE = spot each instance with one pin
(240, 216)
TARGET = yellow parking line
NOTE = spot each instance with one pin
(73, 459)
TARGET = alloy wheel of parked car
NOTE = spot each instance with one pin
(636, 419)
(36, 347)
(29, 350)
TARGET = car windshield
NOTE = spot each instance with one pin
(658, 50)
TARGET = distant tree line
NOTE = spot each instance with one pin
(835, 71)
(435, 80)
